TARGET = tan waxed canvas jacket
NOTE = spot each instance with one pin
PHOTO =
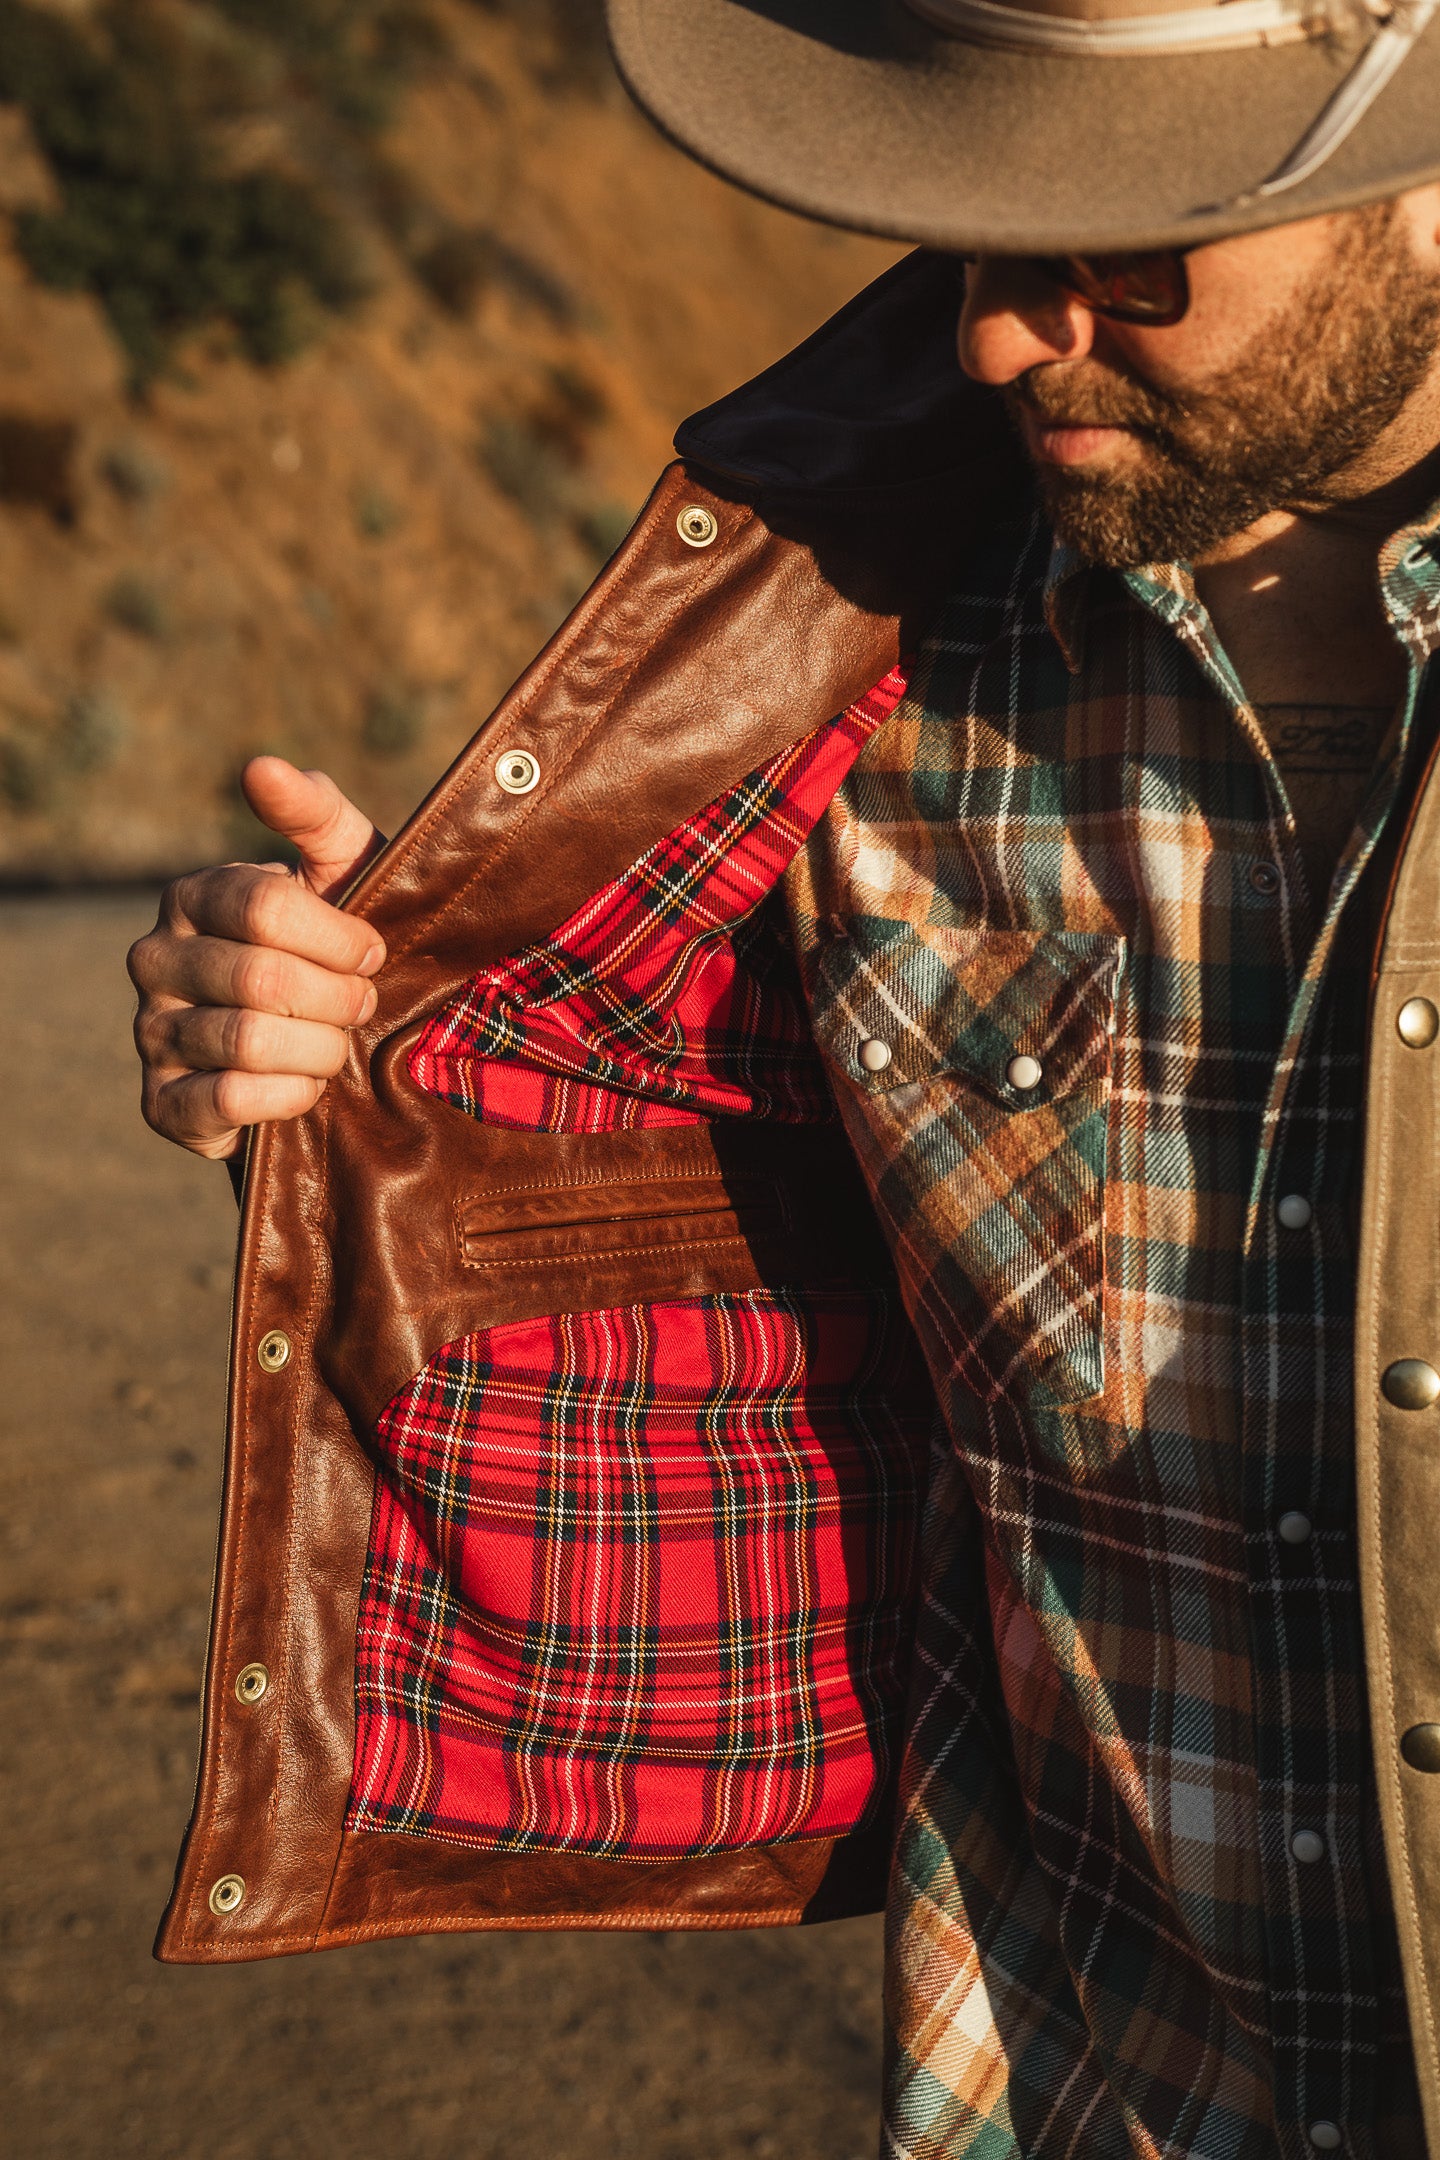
(838, 493)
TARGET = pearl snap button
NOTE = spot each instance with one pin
(1294, 1528)
(517, 772)
(696, 526)
(1326, 2136)
(1418, 1023)
(1024, 1073)
(1308, 1846)
(1265, 878)
(874, 1054)
(227, 1895)
(1294, 1212)
(272, 1352)
(1410, 1384)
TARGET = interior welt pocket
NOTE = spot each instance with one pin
(536, 1224)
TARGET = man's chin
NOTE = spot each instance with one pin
(1102, 520)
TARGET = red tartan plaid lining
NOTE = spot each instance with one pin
(638, 1578)
(669, 996)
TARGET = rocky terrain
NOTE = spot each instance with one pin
(379, 320)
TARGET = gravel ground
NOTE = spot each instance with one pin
(114, 1310)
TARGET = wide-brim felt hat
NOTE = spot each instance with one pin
(1060, 125)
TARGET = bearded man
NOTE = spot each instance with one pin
(635, 1516)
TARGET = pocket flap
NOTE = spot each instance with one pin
(917, 1000)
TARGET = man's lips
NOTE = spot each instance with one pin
(1070, 442)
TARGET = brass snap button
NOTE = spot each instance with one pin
(227, 1895)
(251, 1684)
(1418, 1023)
(1410, 1384)
(272, 1352)
(1421, 1747)
(696, 526)
(874, 1055)
(517, 772)
(1024, 1073)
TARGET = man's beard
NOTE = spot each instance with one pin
(1313, 392)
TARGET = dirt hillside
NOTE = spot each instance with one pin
(346, 555)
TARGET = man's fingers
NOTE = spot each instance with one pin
(207, 1111)
(250, 977)
(215, 971)
(217, 1038)
(245, 902)
(334, 838)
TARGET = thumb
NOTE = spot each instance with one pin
(334, 838)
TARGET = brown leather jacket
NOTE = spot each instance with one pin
(844, 484)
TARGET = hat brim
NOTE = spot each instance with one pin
(857, 113)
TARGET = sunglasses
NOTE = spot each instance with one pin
(1152, 288)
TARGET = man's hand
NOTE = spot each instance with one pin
(250, 978)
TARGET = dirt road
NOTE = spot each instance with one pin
(117, 1262)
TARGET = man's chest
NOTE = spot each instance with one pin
(1080, 1013)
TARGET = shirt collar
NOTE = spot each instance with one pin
(1409, 570)
(1066, 595)
(1410, 582)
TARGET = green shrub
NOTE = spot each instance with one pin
(136, 472)
(527, 467)
(93, 725)
(148, 220)
(139, 606)
(574, 51)
(601, 527)
(355, 56)
(23, 781)
(376, 514)
(457, 268)
(394, 722)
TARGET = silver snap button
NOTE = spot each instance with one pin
(1294, 1528)
(874, 1054)
(1410, 1384)
(1307, 1846)
(1265, 878)
(1024, 1073)
(227, 1895)
(252, 1684)
(1325, 2136)
(517, 772)
(272, 1352)
(1294, 1212)
(696, 526)
(1418, 1023)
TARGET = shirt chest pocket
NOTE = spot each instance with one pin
(974, 1074)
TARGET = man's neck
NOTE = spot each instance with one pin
(1295, 598)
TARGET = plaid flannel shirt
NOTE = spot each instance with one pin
(1132, 1689)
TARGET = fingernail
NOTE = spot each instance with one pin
(372, 999)
(373, 961)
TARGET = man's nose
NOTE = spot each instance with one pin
(1017, 317)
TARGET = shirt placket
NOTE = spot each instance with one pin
(1295, 1373)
